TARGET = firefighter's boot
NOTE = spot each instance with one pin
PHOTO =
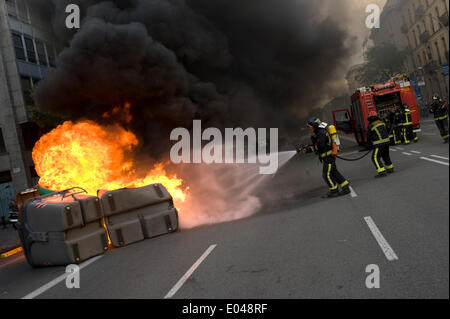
(390, 170)
(331, 194)
(381, 174)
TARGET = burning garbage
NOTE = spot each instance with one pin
(71, 226)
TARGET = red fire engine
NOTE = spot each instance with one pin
(380, 98)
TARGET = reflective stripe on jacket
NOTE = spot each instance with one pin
(378, 133)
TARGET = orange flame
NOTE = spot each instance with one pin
(95, 157)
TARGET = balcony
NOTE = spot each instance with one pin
(424, 37)
(444, 19)
(420, 12)
(431, 67)
(404, 29)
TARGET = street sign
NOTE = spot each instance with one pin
(445, 69)
(416, 88)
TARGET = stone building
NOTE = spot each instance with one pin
(426, 27)
(27, 51)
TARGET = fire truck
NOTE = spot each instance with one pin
(380, 98)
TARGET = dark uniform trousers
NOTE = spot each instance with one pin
(382, 152)
(331, 175)
(442, 125)
(397, 132)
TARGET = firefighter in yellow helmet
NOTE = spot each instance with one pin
(378, 136)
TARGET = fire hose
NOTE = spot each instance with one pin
(360, 158)
(354, 159)
(305, 147)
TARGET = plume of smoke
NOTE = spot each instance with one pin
(230, 63)
(175, 60)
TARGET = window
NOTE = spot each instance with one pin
(436, 44)
(11, 7)
(30, 134)
(415, 38)
(26, 89)
(5, 177)
(31, 53)
(444, 43)
(432, 23)
(2, 143)
(18, 47)
(41, 52)
(51, 55)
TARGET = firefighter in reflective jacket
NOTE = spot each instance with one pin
(395, 124)
(323, 145)
(408, 132)
(440, 116)
(378, 136)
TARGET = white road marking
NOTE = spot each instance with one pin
(415, 152)
(434, 161)
(352, 192)
(384, 245)
(393, 150)
(191, 270)
(59, 279)
(441, 157)
(405, 153)
(400, 148)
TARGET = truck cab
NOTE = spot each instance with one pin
(380, 98)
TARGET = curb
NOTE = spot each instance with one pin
(9, 250)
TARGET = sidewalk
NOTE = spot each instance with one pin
(9, 239)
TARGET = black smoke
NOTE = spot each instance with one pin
(248, 63)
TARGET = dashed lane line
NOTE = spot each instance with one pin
(434, 161)
(382, 242)
(59, 279)
(416, 152)
(353, 193)
(441, 157)
(191, 270)
(406, 153)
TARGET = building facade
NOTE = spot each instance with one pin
(420, 28)
(426, 27)
(27, 51)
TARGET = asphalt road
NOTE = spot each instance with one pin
(298, 246)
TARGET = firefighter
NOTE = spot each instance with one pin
(440, 116)
(395, 124)
(408, 132)
(327, 150)
(379, 138)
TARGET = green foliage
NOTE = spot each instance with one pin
(43, 119)
(382, 63)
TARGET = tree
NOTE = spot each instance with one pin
(44, 120)
(382, 63)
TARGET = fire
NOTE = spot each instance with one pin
(95, 157)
